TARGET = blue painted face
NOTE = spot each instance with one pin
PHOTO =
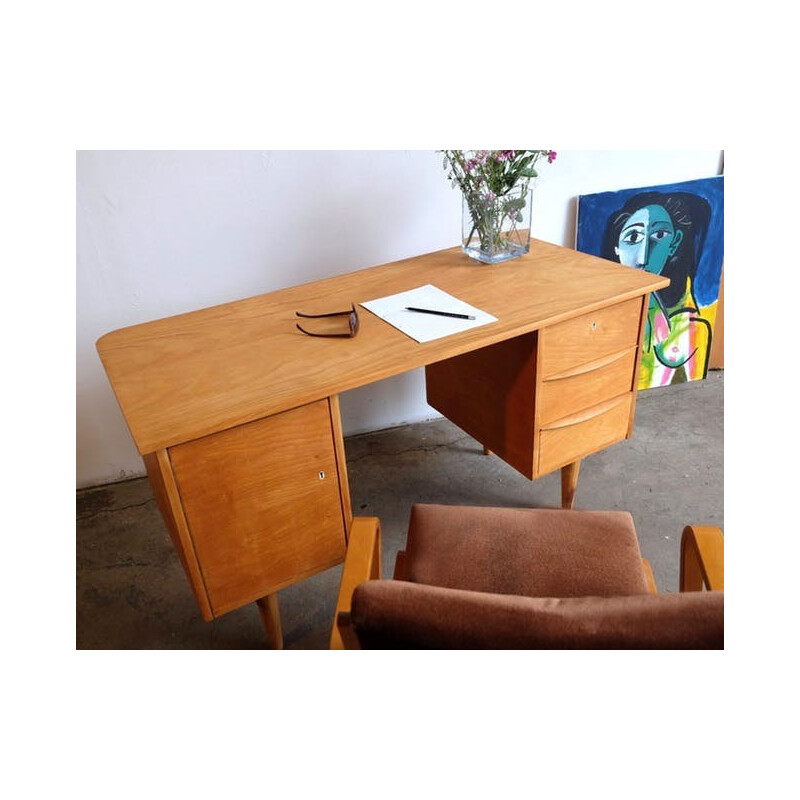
(648, 239)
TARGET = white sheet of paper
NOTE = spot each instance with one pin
(427, 327)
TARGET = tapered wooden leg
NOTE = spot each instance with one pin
(569, 483)
(271, 619)
(486, 451)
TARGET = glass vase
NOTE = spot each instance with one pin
(496, 228)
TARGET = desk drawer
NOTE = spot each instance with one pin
(589, 337)
(586, 385)
(571, 438)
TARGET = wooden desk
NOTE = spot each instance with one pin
(236, 413)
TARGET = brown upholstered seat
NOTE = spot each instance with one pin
(527, 551)
(502, 578)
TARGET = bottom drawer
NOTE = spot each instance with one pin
(568, 439)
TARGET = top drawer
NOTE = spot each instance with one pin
(588, 337)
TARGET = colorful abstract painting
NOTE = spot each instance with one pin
(675, 230)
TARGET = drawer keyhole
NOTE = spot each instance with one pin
(594, 326)
(321, 475)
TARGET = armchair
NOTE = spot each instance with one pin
(501, 578)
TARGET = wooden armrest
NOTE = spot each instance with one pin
(361, 563)
(702, 559)
(649, 577)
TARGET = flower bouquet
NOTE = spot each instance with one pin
(496, 199)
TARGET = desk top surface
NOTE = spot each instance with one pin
(194, 374)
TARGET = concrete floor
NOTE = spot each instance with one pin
(132, 592)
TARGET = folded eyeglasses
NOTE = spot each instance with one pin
(352, 315)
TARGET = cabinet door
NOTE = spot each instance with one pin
(263, 505)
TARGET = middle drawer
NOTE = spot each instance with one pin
(583, 386)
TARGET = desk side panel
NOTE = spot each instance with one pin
(645, 305)
(341, 462)
(165, 491)
(489, 393)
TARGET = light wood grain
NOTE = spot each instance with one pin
(587, 385)
(589, 337)
(190, 375)
(588, 431)
(500, 396)
(649, 577)
(270, 613)
(569, 484)
(165, 491)
(341, 462)
(362, 563)
(260, 515)
(488, 393)
(236, 413)
(702, 559)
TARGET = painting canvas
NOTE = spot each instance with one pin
(675, 230)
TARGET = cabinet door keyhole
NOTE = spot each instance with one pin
(321, 475)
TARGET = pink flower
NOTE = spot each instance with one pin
(551, 156)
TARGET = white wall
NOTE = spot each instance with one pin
(159, 233)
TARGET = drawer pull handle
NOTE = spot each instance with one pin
(587, 414)
(591, 366)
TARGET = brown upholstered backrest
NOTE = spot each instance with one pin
(399, 614)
